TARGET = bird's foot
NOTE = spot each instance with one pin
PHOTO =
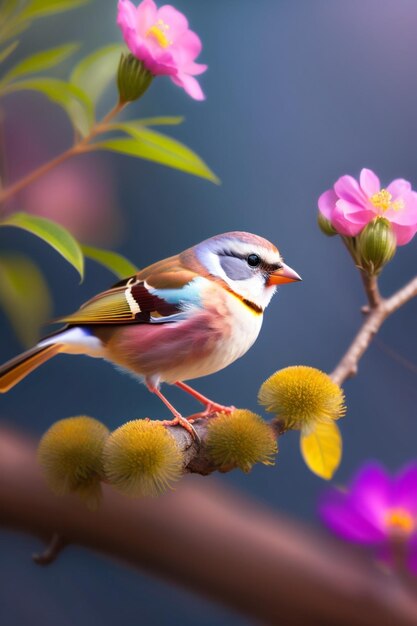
(213, 407)
(179, 420)
(210, 409)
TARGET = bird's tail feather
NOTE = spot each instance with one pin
(18, 368)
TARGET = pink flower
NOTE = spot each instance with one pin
(377, 510)
(161, 39)
(351, 205)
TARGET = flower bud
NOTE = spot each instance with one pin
(133, 79)
(302, 396)
(376, 245)
(141, 458)
(70, 453)
(325, 225)
(240, 439)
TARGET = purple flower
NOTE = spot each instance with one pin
(378, 510)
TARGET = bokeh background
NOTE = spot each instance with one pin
(298, 93)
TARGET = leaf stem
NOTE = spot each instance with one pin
(79, 147)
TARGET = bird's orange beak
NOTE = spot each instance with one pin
(282, 276)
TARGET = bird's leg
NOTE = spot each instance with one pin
(211, 407)
(178, 418)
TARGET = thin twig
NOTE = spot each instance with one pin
(379, 310)
(52, 550)
(396, 355)
(78, 148)
(370, 284)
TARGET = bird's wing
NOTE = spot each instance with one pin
(154, 295)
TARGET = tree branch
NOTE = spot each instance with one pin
(379, 310)
(214, 543)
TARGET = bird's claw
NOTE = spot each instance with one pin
(179, 420)
(213, 407)
(210, 410)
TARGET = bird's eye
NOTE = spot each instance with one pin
(254, 260)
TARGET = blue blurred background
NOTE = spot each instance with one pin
(298, 93)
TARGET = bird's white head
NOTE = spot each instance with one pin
(251, 266)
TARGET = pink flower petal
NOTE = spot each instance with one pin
(187, 48)
(405, 489)
(177, 22)
(349, 219)
(327, 203)
(190, 85)
(354, 213)
(195, 68)
(403, 234)
(398, 187)
(348, 189)
(369, 182)
(407, 215)
(126, 15)
(147, 15)
(347, 521)
(371, 493)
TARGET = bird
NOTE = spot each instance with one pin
(181, 318)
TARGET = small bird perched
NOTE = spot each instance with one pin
(181, 318)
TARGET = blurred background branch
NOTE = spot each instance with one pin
(215, 543)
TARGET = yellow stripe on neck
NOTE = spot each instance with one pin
(255, 308)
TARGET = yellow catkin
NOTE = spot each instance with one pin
(141, 458)
(70, 454)
(300, 396)
(240, 439)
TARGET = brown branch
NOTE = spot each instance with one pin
(78, 148)
(379, 310)
(370, 284)
(212, 542)
(195, 453)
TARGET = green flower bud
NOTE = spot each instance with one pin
(325, 225)
(133, 79)
(240, 440)
(70, 454)
(376, 245)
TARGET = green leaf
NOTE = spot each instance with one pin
(159, 121)
(40, 61)
(72, 99)
(153, 146)
(113, 261)
(42, 8)
(11, 29)
(321, 449)
(97, 71)
(15, 19)
(6, 52)
(53, 234)
(7, 8)
(24, 296)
